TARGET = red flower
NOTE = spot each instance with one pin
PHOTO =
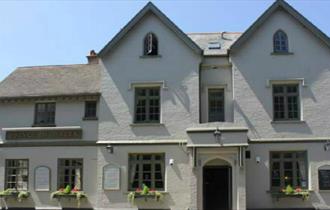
(138, 190)
(298, 189)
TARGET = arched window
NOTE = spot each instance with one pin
(280, 41)
(150, 44)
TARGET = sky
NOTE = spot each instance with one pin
(53, 32)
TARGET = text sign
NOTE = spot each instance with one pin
(111, 178)
(324, 179)
(44, 134)
(42, 179)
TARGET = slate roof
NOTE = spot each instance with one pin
(80, 79)
(226, 39)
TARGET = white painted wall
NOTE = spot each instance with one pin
(48, 156)
(66, 114)
(216, 73)
(253, 65)
(177, 66)
(258, 176)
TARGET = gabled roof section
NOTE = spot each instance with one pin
(150, 7)
(61, 80)
(280, 4)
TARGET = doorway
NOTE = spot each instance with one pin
(217, 188)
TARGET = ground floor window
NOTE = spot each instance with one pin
(70, 172)
(148, 169)
(288, 168)
(17, 174)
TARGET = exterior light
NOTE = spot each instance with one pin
(327, 146)
(217, 134)
(109, 148)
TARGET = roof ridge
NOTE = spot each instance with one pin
(49, 66)
(228, 32)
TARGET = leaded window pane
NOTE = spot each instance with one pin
(280, 42)
(70, 172)
(148, 169)
(216, 105)
(288, 168)
(90, 109)
(45, 114)
(286, 102)
(17, 174)
(147, 105)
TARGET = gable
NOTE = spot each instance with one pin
(279, 5)
(150, 9)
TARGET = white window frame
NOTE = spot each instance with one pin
(225, 88)
(294, 81)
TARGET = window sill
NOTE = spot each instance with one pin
(288, 122)
(89, 118)
(44, 125)
(150, 56)
(146, 124)
(281, 53)
(163, 192)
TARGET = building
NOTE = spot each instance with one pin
(210, 120)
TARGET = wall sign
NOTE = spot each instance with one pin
(42, 178)
(44, 134)
(111, 177)
(324, 177)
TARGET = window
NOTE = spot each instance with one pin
(17, 174)
(90, 109)
(286, 102)
(280, 42)
(150, 44)
(45, 114)
(216, 105)
(147, 105)
(70, 172)
(288, 168)
(148, 169)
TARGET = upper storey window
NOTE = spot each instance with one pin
(150, 44)
(286, 102)
(147, 105)
(216, 105)
(45, 114)
(280, 42)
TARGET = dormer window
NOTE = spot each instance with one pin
(280, 42)
(150, 45)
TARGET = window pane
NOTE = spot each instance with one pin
(147, 105)
(70, 173)
(90, 108)
(45, 113)
(286, 102)
(151, 173)
(216, 105)
(17, 174)
(288, 168)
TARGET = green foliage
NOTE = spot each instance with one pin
(144, 193)
(20, 195)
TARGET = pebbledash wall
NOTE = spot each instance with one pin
(184, 77)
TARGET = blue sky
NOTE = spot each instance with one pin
(63, 32)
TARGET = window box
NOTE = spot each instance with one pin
(68, 193)
(13, 193)
(146, 194)
(289, 192)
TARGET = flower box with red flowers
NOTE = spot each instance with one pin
(144, 193)
(68, 193)
(290, 192)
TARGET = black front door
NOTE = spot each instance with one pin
(217, 188)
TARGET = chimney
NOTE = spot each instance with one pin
(92, 57)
